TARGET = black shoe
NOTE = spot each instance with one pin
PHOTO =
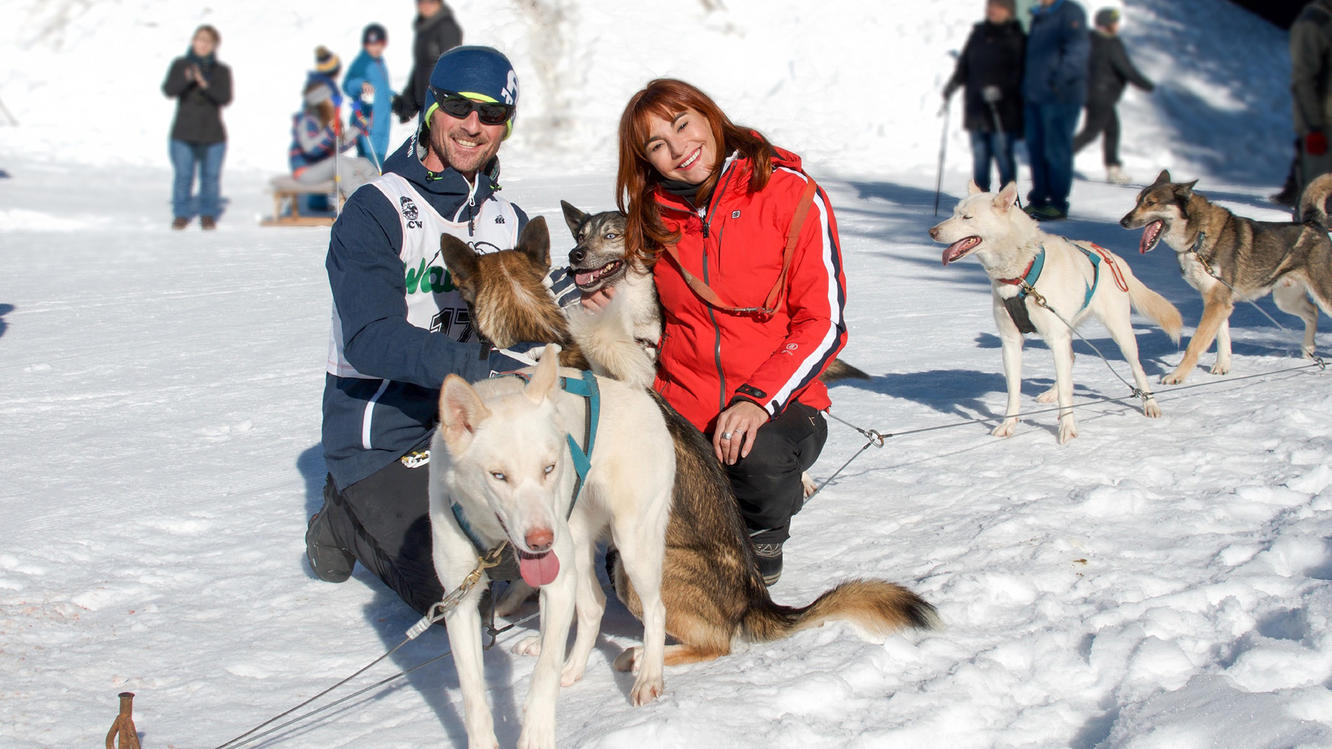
(769, 558)
(330, 562)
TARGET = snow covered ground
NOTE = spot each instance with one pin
(1152, 584)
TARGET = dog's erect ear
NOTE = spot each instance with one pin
(1184, 190)
(543, 378)
(534, 242)
(1006, 197)
(573, 217)
(461, 411)
(459, 258)
(1162, 178)
(973, 188)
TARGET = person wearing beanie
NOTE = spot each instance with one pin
(326, 68)
(367, 85)
(1054, 88)
(1109, 71)
(400, 325)
(201, 86)
(318, 141)
(436, 33)
(990, 69)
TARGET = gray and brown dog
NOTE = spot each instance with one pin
(710, 584)
(1230, 258)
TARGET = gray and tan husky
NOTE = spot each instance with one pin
(710, 585)
(1230, 258)
(598, 260)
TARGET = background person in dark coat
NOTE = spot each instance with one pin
(436, 33)
(1311, 90)
(990, 68)
(202, 86)
(1108, 72)
(1054, 88)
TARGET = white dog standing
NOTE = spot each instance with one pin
(501, 454)
(1046, 277)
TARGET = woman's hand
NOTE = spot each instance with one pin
(737, 428)
(597, 300)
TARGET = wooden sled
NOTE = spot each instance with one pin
(287, 194)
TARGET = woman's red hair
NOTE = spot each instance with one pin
(637, 180)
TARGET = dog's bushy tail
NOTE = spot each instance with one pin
(840, 370)
(1313, 203)
(875, 607)
(1155, 306)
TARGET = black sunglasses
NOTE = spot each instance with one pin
(459, 106)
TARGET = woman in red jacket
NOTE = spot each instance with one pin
(749, 272)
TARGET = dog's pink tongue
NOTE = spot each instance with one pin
(583, 279)
(538, 570)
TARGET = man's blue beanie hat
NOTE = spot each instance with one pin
(481, 73)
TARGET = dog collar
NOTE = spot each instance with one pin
(1029, 276)
(581, 457)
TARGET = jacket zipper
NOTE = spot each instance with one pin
(712, 314)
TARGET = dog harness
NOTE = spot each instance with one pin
(581, 457)
(1016, 305)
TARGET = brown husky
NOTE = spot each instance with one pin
(710, 585)
(1229, 258)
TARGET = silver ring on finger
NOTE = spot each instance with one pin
(726, 435)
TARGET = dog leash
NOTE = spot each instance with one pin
(435, 614)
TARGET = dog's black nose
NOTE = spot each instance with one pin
(577, 255)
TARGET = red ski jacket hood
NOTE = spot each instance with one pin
(709, 356)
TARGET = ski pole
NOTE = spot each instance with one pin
(943, 150)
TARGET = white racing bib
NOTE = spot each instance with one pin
(433, 301)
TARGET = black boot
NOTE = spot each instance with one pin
(769, 559)
(329, 560)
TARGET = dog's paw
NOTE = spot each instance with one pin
(629, 659)
(807, 485)
(1150, 409)
(537, 735)
(646, 690)
(1308, 351)
(1220, 368)
(1005, 429)
(1049, 396)
(1175, 378)
(486, 742)
(528, 646)
(572, 673)
(1067, 430)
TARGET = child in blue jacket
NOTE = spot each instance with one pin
(367, 84)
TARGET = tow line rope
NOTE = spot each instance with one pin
(877, 439)
(436, 613)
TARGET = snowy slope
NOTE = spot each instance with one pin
(1152, 584)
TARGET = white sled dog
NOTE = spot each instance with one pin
(503, 458)
(1047, 284)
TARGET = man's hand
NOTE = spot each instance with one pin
(597, 300)
(197, 76)
(737, 428)
(367, 90)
